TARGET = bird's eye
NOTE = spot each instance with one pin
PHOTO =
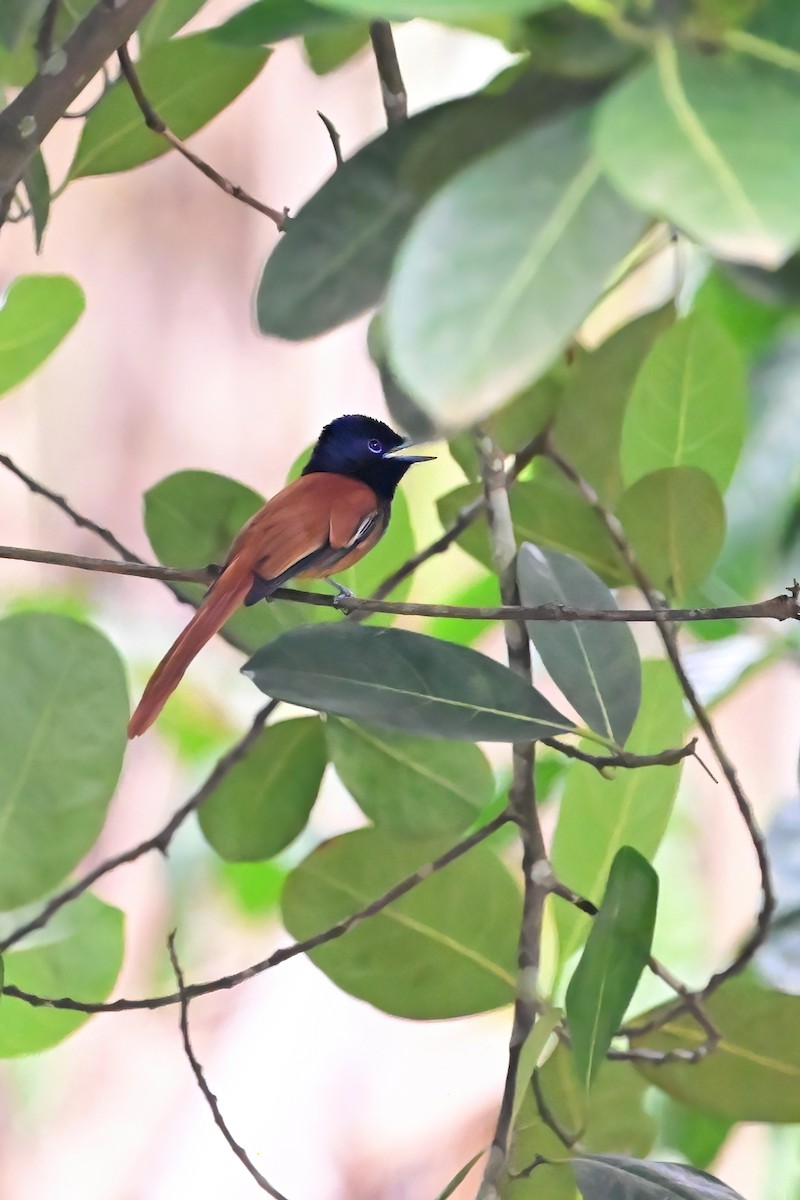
(375, 446)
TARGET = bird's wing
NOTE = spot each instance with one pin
(309, 524)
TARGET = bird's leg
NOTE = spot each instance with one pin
(343, 594)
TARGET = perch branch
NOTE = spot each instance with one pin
(393, 90)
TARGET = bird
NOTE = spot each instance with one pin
(324, 521)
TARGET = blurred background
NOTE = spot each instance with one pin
(165, 372)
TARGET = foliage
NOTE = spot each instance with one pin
(495, 239)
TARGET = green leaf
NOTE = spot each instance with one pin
(610, 1119)
(187, 81)
(265, 801)
(689, 404)
(613, 959)
(696, 1135)
(435, 10)
(754, 1073)
(611, 1177)
(38, 312)
(596, 665)
(588, 421)
(675, 522)
(253, 888)
(63, 709)
(335, 256)
(751, 323)
(330, 50)
(410, 786)
(712, 143)
(270, 21)
(18, 18)
(598, 816)
(164, 19)
(404, 681)
(37, 187)
(79, 954)
(471, 320)
(446, 949)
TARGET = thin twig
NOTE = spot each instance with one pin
(333, 134)
(284, 953)
(393, 90)
(663, 621)
(154, 122)
(522, 802)
(624, 759)
(202, 1083)
(777, 608)
(564, 1135)
(160, 841)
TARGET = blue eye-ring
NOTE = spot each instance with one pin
(375, 446)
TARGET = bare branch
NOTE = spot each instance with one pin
(31, 115)
(624, 759)
(202, 1083)
(778, 608)
(154, 122)
(284, 953)
(160, 841)
(393, 90)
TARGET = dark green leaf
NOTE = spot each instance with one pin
(270, 21)
(611, 1119)
(18, 18)
(405, 681)
(265, 801)
(78, 955)
(613, 959)
(688, 406)
(588, 420)
(330, 50)
(334, 259)
(37, 186)
(63, 710)
(609, 1177)
(675, 522)
(410, 786)
(598, 816)
(471, 320)
(188, 81)
(754, 1073)
(38, 312)
(165, 18)
(687, 138)
(565, 41)
(446, 949)
(595, 665)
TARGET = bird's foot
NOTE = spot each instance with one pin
(343, 594)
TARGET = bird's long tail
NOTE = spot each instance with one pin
(223, 598)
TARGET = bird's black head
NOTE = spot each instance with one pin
(364, 449)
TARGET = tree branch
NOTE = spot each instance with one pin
(393, 90)
(522, 803)
(202, 1083)
(284, 953)
(31, 115)
(154, 122)
(777, 608)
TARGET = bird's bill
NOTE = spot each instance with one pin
(399, 455)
